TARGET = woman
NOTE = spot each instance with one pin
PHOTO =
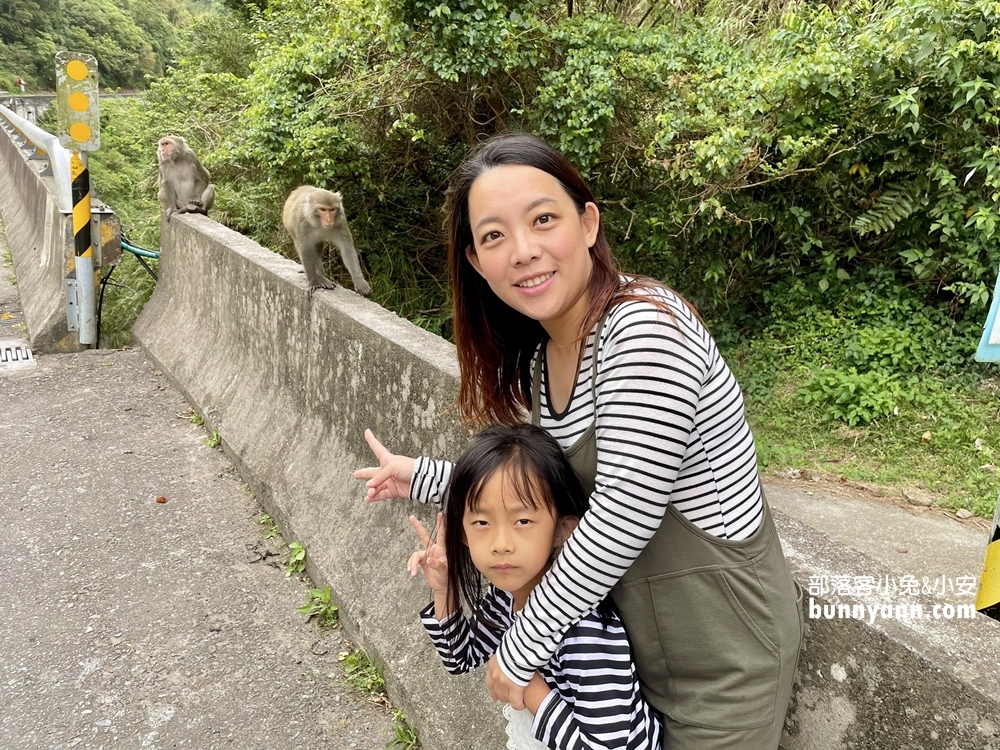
(624, 375)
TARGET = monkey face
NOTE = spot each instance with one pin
(322, 209)
(532, 245)
(169, 147)
(327, 215)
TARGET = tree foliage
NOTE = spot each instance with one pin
(821, 179)
(837, 158)
(131, 39)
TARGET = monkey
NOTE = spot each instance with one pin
(313, 216)
(184, 182)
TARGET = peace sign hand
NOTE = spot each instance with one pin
(391, 478)
(432, 560)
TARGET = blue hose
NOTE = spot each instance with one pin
(139, 251)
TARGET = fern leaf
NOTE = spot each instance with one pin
(896, 203)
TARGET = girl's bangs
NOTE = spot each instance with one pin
(520, 478)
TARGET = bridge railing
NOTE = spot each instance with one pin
(29, 106)
(41, 146)
(37, 206)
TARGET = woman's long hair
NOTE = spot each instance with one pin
(495, 342)
(538, 474)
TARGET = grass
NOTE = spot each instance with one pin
(272, 529)
(361, 673)
(366, 677)
(406, 736)
(949, 452)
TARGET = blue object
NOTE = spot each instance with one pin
(989, 344)
(140, 251)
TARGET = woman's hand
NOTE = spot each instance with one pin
(391, 478)
(432, 559)
(501, 688)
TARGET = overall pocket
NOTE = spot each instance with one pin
(702, 658)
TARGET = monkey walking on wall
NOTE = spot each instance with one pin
(313, 216)
(184, 183)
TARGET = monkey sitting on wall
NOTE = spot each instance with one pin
(313, 216)
(184, 182)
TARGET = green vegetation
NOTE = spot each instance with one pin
(272, 529)
(366, 677)
(361, 673)
(927, 434)
(214, 440)
(131, 40)
(296, 562)
(359, 670)
(822, 182)
(406, 736)
(319, 605)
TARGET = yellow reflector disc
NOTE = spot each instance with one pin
(79, 102)
(79, 132)
(77, 70)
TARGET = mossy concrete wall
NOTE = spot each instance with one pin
(291, 384)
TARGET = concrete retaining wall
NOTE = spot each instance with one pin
(920, 683)
(292, 384)
(40, 238)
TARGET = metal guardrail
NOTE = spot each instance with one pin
(97, 224)
(46, 146)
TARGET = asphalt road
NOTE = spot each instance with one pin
(131, 623)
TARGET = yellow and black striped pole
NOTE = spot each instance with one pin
(83, 246)
(77, 105)
(80, 189)
(988, 597)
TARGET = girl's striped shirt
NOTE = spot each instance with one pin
(595, 701)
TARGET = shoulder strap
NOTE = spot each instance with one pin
(536, 373)
(536, 379)
(593, 373)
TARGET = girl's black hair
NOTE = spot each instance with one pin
(539, 474)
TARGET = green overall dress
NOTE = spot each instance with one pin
(715, 624)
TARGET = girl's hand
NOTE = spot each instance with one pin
(432, 559)
(391, 478)
(535, 693)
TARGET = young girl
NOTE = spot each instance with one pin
(512, 501)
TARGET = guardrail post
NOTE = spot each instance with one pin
(72, 196)
(83, 247)
(79, 130)
(988, 596)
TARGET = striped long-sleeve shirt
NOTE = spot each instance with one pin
(595, 700)
(670, 429)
